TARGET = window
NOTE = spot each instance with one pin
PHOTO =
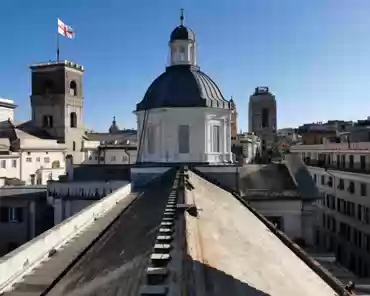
(124, 158)
(73, 88)
(101, 158)
(343, 157)
(338, 161)
(350, 164)
(363, 189)
(351, 187)
(184, 139)
(151, 139)
(11, 214)
(28, 159)
(55, 164)
(215, 138)
(182, 53)
(315, 177)
(341, 184)
(363, 162)
(46, 159)
(265, 117)
(47, 121)
(359, 212)
(322, 180)
(3, 164)
(14, 163)
(113, 158)
(74, 146)
(38, 159)
(330, 182)
(73, 119)
(48, 87)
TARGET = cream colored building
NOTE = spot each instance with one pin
(341, 171)
(29, 158)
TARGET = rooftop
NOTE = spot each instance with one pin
(66, 63)
(238, 254)
(224, 248)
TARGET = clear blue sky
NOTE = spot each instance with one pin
(313, 54)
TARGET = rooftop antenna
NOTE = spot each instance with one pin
(182, 17)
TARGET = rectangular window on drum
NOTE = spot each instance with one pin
(151, 139)
(216, 138)
(184, 139)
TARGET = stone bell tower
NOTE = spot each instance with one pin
(57, 103)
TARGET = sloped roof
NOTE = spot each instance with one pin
(29, 128)
(121, 136)
(28, 135)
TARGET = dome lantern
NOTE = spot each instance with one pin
(182, 45)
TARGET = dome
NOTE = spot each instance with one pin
(182, 33)
(114, 127)
(183, 86)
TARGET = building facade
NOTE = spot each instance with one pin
(341, 171)
(262, 117)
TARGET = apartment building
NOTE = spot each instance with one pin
(342, 174)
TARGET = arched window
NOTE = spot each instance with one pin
(73, 119)
(55, 164)
(73, 88)
(48, 87)
(182, 53)
(74, 146)
(47, 121)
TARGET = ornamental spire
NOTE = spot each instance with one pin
(182, 17)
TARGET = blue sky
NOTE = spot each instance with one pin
(313, 54)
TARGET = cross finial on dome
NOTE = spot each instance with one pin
(182, 17)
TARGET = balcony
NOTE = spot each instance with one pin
(355, 168)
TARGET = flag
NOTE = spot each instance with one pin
(65, 30)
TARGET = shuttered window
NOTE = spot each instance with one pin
(184, 139)
(151, 139)
(11, 214)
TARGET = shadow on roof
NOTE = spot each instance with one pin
(216, 282)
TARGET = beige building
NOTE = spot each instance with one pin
(262, 116)
(341, 171)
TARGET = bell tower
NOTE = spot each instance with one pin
(57, 103)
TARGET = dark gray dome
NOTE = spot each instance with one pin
(182, 33)
(183, 86)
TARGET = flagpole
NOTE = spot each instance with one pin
(58, 47)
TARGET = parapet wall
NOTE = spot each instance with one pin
(17, 263)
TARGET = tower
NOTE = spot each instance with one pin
(57, 103)
(234, 119)
(262, 116)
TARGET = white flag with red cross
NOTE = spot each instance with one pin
(65, 30)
